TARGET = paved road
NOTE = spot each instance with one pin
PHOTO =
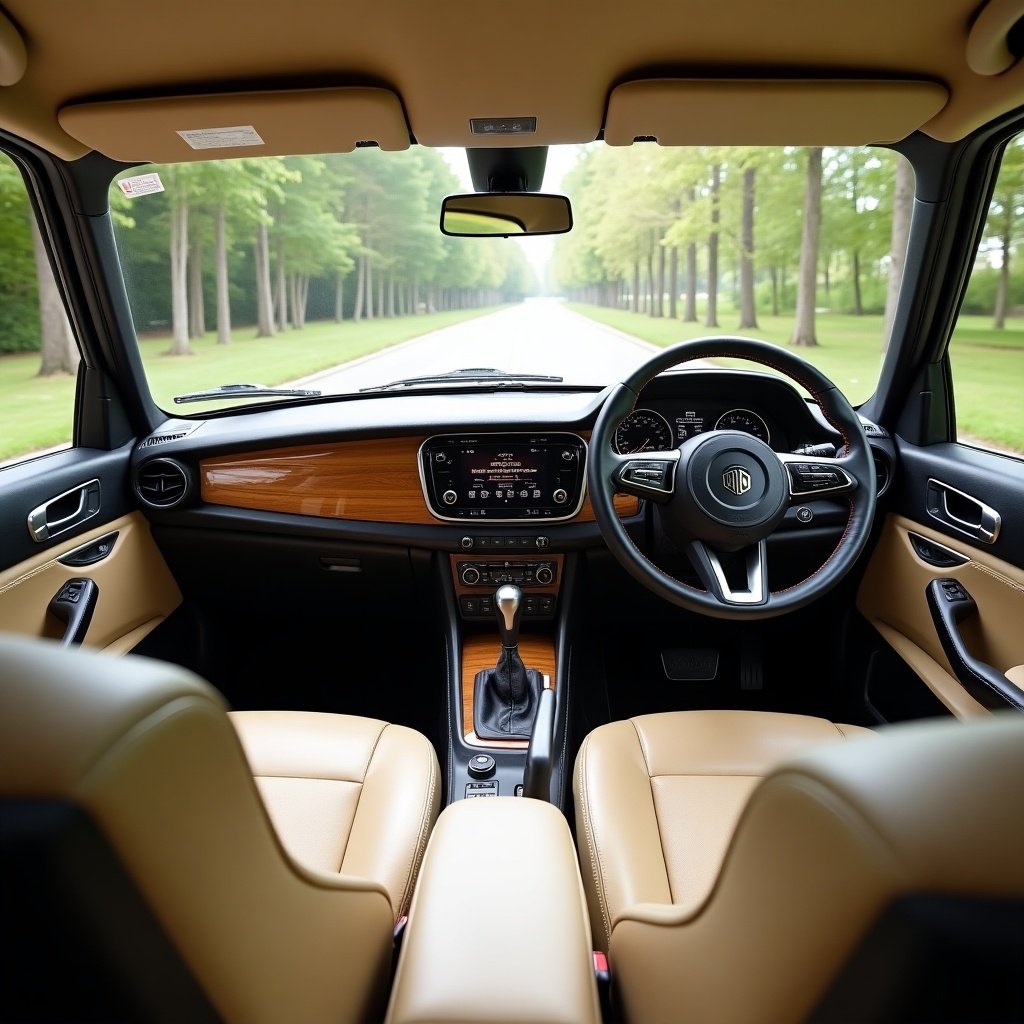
(537, 336)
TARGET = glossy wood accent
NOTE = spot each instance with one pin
(480, 652)
(371, 481)
(625, 504)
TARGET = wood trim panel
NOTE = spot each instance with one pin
(480, 652)
(370, 481)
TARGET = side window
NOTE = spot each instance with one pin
(987, 348)
(38, 352)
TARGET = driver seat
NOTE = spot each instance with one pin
(769, 867)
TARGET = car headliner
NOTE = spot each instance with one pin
(558, 63)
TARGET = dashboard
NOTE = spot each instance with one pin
(442, 461)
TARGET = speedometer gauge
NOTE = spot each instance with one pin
(643, 430)
(746, 421)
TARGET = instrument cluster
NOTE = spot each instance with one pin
(647, 429)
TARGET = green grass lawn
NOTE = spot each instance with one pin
(35, 412)
(988, 365)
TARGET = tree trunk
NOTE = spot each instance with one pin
(902, 205)
(391, 295)
(281, 297)
(858, 300)
(179, 279)
(264, 301)
(652, 284)
(1003, 283)
(221, 276)
(635, 301)
(673, 282)
(196, 310)
(368, 287)
(57, 343)
(339, 298)
(774, 274)
(690, 307)
(357, 308)
(806, 292)
(711, 317)
(380, 295)
(660, 291)
(748, 307)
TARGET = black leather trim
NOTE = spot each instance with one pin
(949, 604)
(80, 943)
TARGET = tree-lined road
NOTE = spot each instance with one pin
(536, 336)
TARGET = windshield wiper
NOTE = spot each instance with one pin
(245, 391)
(473, 375)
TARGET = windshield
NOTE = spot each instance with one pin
(330, 273)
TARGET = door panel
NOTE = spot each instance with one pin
(83, 529)
(959, 516)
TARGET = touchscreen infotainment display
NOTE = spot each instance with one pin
(506, 476)
(496, 475)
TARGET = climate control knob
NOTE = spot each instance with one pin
(470, 575)
(560, 496)
(449, 497)
(544, 575)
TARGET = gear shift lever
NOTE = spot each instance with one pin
(508, 608)
(505, 697)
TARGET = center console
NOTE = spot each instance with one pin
(518, 950)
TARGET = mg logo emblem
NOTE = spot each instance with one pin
(736, 479)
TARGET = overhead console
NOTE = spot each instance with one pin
(503, 478)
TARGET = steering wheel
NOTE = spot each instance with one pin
(721, 494)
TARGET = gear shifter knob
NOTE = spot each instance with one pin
(508, 605)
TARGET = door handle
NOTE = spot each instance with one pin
(67, 510)
(73, 605)
(950, 603)
(962, 512)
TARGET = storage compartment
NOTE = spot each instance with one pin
(498, 928)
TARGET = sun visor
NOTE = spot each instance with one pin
(13, 57)
(769, 112)
(181, 128)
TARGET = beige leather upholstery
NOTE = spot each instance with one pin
(658, 798)
(822, 846)
(346, 794)
(148, 750)
(498, 929)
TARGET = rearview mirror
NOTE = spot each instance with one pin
(489, 214)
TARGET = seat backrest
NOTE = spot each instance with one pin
(877, 880)
(135, 846)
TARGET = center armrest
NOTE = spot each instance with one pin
(498, 928)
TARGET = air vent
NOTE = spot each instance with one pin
(162, 438)
(883, 469)
(162, 483)
(176, 432)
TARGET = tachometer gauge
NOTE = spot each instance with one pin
(745, 420)
(643, 430)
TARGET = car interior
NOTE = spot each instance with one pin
(681, 689)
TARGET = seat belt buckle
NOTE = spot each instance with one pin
(603, 977)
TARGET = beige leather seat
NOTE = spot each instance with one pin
(737, 864)
(278, 897)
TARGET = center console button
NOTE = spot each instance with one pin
(481, 765)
